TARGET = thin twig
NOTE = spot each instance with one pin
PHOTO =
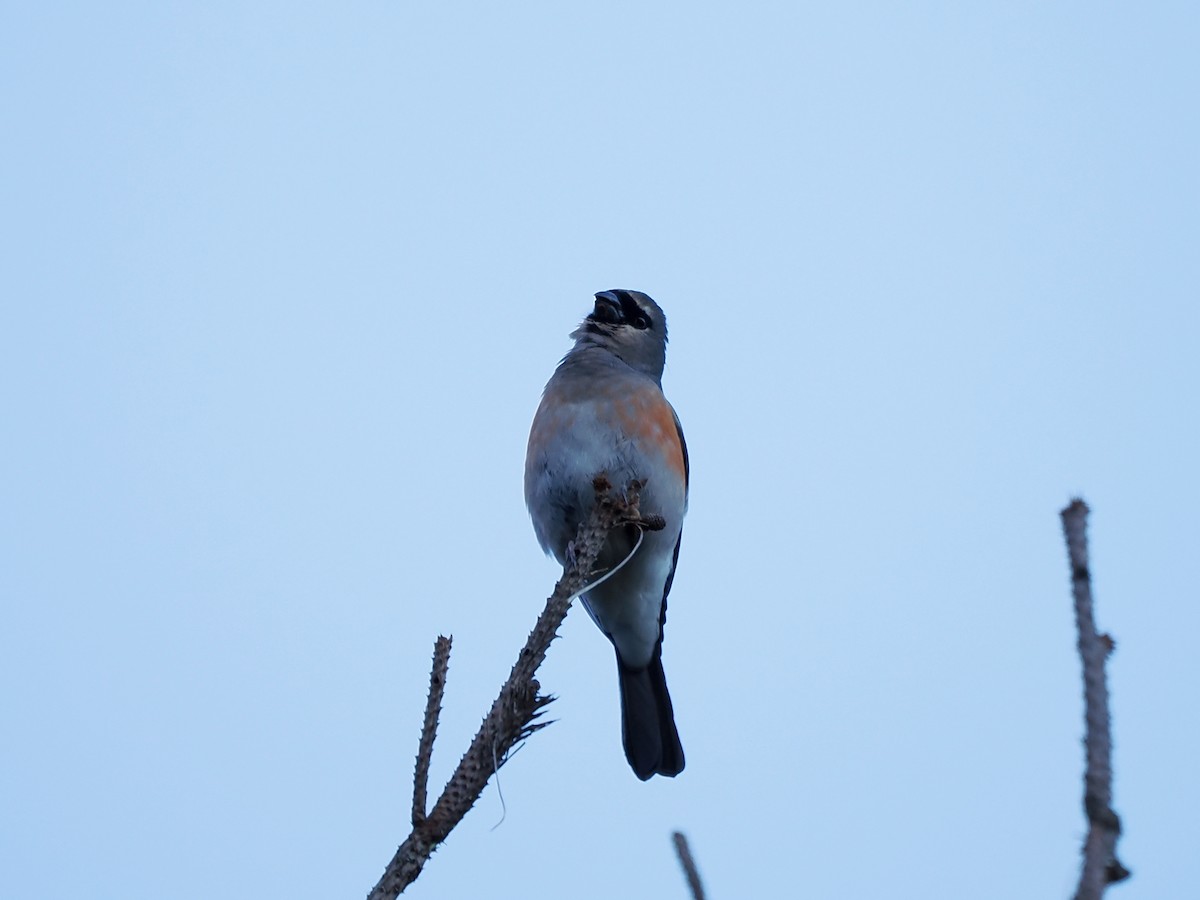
(1100, 864)
(433, 707)
(689, 865)
(513, 716)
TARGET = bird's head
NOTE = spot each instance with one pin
(629, 325)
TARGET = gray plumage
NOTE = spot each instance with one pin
(604, 411)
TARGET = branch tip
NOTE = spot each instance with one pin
(1100, 864)
(690, 872)
(433, 708)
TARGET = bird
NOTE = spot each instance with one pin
(603, 412)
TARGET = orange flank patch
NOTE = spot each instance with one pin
(550, 418)
(647, 418)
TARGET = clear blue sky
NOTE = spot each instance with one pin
(282, 284)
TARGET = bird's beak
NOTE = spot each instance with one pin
(608, 308)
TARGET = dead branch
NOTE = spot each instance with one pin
(513, 716)
(433, 708)
(690, 872)
(1100, 864)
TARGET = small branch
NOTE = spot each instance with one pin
(689, 865)
(513, 716)
(433, 706)
(1100, 864)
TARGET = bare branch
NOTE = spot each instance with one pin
(433, 706)
(513, 716)
(689, 865)
(1100, 864)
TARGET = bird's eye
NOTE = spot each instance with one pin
(641, 323)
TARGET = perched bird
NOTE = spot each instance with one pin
(603, 411)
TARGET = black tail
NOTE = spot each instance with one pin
(648, 721)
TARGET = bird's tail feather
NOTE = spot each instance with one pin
(648, 720)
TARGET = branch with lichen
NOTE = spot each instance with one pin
(1100, 864)
(515, 712)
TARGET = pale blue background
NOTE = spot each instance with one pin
(282, 283)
